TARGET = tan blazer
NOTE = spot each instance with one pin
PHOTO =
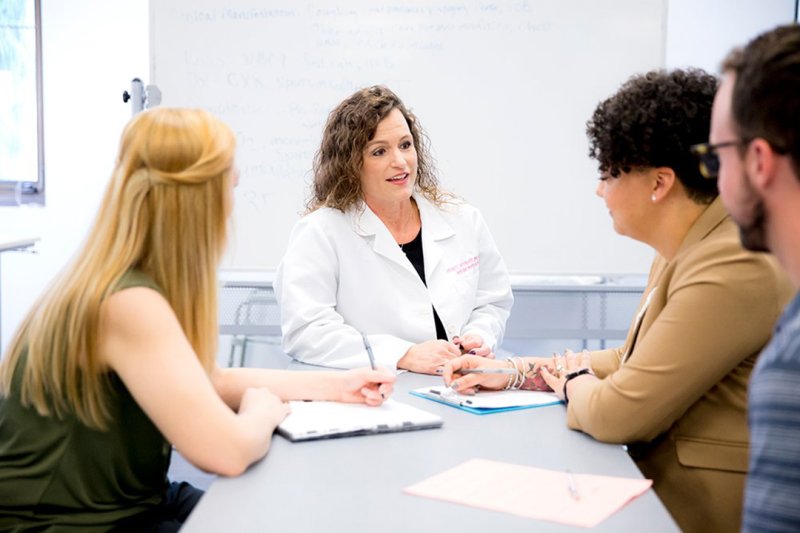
(676, 391)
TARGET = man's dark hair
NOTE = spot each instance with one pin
(766, 93)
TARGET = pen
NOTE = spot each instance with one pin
(487, 371)
(371, 355)
(572, 487)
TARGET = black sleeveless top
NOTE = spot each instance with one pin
(413, 251)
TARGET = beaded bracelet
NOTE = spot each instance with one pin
(520, 376)
(510, 376)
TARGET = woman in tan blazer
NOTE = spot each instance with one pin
(676, 391)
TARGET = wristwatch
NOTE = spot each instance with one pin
(570, 376)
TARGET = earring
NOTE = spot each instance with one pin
(653, 197)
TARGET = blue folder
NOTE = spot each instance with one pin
(468, 404)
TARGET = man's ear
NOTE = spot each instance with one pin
(760, 164)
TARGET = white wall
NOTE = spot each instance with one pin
(700, 33)
(92, 49)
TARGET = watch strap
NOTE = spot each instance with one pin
(570, 376)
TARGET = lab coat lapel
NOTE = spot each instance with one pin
(368, 225)
(434, 229)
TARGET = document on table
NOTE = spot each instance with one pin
(321, 420)
(582, 500)
(486, 402)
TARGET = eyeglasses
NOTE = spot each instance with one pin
(709, 160)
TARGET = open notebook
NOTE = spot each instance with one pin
(321, 420)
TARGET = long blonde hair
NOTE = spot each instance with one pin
(164, 213)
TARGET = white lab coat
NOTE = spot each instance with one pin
(344, 274)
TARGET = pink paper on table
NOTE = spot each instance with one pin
(532, 492)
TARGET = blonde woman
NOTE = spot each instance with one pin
(117, 360)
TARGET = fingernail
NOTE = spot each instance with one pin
(454, 385)
(439, 370)
(471, 352)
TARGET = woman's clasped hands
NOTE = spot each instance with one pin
(430, 357)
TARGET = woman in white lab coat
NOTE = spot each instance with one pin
(385, 260)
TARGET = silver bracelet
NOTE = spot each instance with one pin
(510, 376)
(520, 376)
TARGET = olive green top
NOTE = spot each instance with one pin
(60, 475)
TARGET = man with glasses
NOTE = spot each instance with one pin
(755, 150)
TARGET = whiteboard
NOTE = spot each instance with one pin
(503, 89)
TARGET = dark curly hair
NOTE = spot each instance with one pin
(338, 162)
(651, 122)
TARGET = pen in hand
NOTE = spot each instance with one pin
(572, 487)
(465, 371)
(371, 355)
(487, 371)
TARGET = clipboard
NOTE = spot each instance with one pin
(488, 402)
(312, 420)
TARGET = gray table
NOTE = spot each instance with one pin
(355, 484)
